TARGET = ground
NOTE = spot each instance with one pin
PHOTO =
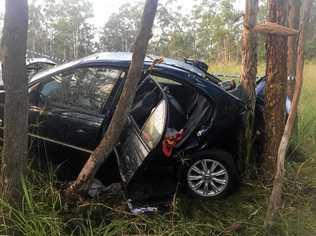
(44, 212)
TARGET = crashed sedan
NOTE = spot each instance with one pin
(33, 66)
(183, 126)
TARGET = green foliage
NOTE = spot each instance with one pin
(61, 28)
(120, 31)
(210, 31)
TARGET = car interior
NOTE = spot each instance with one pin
(187, 107)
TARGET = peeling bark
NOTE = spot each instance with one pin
(274, 28)
(248, 78)
(111, 137)
(274, 115)
(294, 21)
(276, 194)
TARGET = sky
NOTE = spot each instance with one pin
(104, 8)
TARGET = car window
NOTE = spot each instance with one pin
(86, 89)
(181, 93)
(146, 99)
(155, 125)
(181, 98)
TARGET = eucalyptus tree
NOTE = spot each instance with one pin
(276, 70)
(61, 28)
(13, 50)
(120, 31)
(218, 27)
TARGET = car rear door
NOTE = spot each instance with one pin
(145, 129)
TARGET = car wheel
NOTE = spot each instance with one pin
(211, 175)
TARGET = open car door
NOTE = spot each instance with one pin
(145, 130)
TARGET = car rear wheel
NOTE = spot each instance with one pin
(211, 175)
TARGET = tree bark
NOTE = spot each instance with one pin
(294, 21)
(16, 100)
(274, 28)
(100, 154)
(248, 78)
(274, 114)
(275, 197)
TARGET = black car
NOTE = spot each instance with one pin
(37, 64)
(183, 126)
(33, 66)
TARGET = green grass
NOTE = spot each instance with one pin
(45, 213)
(232, 69)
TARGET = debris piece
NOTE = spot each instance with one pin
(140, 210)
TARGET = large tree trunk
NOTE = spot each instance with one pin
(16, 100)
(294, 21)
(248, 77)
(114, 130)
(274, 115)
(275, 197)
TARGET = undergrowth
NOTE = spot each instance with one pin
(44, 212)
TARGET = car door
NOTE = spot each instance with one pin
(69, 108)
(145, 129)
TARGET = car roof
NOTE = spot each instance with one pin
(30, 61)
(127, 57)
(122, 57)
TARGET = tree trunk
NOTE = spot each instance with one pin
(16, 100)
(100, 154)
(294, 21)
(274, 114)
(248, 78)
(275, 197)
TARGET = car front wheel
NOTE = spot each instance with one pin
(211, 175)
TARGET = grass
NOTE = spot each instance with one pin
(44, 212)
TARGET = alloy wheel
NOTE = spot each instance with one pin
(207, 178)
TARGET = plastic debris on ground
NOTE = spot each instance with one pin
(140, 210)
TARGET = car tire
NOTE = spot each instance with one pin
(211, 175)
